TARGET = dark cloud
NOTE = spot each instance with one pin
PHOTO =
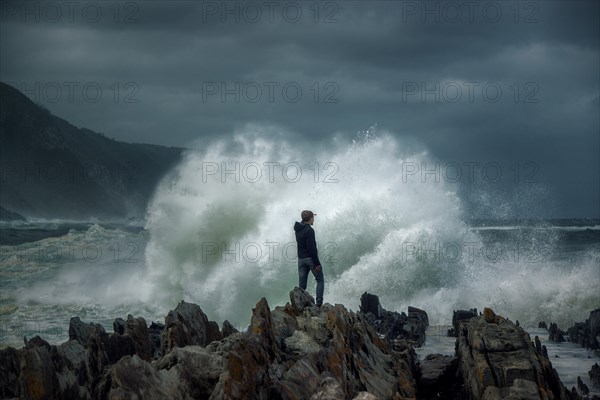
(469, 81)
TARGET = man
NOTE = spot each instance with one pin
(308, 257)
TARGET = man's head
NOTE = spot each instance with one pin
(308, 217)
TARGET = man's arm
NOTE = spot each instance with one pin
(312, 248)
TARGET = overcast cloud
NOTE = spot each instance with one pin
(505, 82)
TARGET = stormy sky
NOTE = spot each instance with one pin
(511, 85)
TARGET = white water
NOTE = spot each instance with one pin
(224, 242)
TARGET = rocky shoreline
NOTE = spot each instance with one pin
(298, 351)
(585, 334)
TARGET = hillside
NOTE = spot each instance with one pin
(52, 169)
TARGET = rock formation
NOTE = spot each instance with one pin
(296, 351)
(499, 361)
(586, 333)
(397, 328)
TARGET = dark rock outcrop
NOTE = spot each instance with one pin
(76, 369)
(586, 333)
(80, 331)
(228, 329)
(298, 351)
(9, 373)
(582, 387)
(398, 329)
(594, 374)
(154, 331)
(369, 303)
(138, 330)
(301, 299)
(119, 326)
(458, 316)
(499, 361)
(329, 352)
(50, 372)
(291, 352)
(555, 334)
(188, 325)
(439, 377)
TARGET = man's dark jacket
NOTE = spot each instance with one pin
(307, 246)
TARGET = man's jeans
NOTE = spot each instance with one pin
(305, 265)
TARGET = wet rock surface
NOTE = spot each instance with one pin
(439, 376)
(594, 375)
(499, 361)
(586, 333)
(398, 329)
(296, 351)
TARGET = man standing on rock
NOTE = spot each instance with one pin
(308, 257)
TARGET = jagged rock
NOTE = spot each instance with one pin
(520, 389)
(438, 376)
(365, 396)
(499, 361)
(328, 389)
(81, 331)
(284, 325)
(301, 299)
(249, 359)
(187, 325)
(329, 339)
(491, 317)
(10, 370)
(213, 332)
(323, 352)
(582, 387)
(586, 333)
(538, 345)
(138, 330)
(555, 334)
(299, 343)
(369, 303)
(461, 315)
(119, 326)
(280, 356)
(355, 343)
(44, 373)
(134, 378)
(414, 312)
(316, 327)
(155, 330)
(228, 329)
(261, 327)
(198, 369)
(192, 372)
(73, 352)
(594, 374)
(416, 325)
(594, 321)
(105, 350)
(299, 381)
(398, 329)
(37, 377)
(542, 325)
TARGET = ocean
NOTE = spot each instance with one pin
(218, 232)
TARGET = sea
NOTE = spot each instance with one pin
(218, 232)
